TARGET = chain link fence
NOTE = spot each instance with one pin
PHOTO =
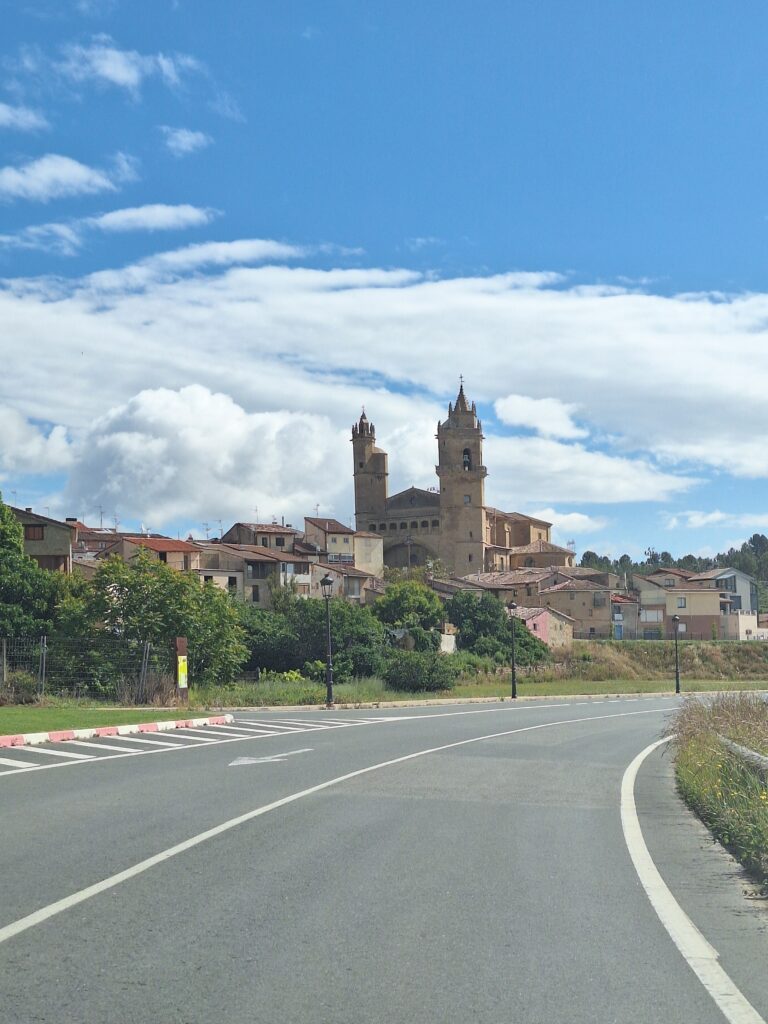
(100, 668)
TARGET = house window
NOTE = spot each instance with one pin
(470, 535)
(393, 526)
(435, 523)
(425, 524)
(467, 459)
(371, 527)
(346, 540)
(536, 626)
(414, 525)
(34, 532)
(571, 595)
(681, 627)
(681, 602)
(255, 594)
(279, 542)
(163, 556)
(382, 527)
(403, 526)
(467, 499)
(469, 558)
(265, 542)
(232, 582)
(207, 579)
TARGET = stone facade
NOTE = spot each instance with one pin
(450, 522)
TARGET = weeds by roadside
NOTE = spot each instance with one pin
(729, 796)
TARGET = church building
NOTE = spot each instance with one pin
(451, 521)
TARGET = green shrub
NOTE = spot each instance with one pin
(22, 687)
(419, 671)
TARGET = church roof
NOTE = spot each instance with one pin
(540, 547)
(413, 497)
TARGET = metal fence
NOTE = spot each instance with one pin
(101, 668)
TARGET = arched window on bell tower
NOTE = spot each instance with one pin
(467, 459)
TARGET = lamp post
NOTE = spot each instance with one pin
(676, 620)
(512, 608)
(326, 585)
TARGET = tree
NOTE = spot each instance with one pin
(28, 594)
(484, 628)
(410, 604)
(145, 600)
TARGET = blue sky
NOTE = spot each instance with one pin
(223, 232)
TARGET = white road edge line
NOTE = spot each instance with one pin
(59, 906)
(698, 953)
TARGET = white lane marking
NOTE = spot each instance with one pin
(269, 759)
(134, 739)
(264, 725)
(204, 736)
(260, 731)
(19, 764)
(101, 746)
(59, 906)
(60, 753)
(222, 730)
(699, 954)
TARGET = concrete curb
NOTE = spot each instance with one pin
(24, 739)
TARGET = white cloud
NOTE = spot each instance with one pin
(533, 469)
(67, 238)
(53, 176)
(152, 217)
(547, 416)
(26, 448)
(193, 454)
(103, 62)
(693, 520)
(21, 118)
(182, 141)
(568, 523)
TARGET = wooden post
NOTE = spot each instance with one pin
(182, 691)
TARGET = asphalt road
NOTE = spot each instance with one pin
(487, 880)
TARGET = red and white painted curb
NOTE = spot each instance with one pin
(23, 739)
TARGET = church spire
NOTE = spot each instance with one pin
(461, 399)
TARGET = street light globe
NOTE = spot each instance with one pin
(512, 606)
(326, 585)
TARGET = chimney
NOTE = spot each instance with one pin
(71, 519)
(28, 508)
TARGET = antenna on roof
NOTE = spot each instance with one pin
(256, 510)
(116, 520)
(221, 529)
(101, 516)
(207, 529)
(317, 511)
(571, 545)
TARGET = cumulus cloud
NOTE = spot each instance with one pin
(54, 176)
(183, 141)
(67, 238)
(568, 523)
(547, 416)
(22, 119)
(533, 469)
(105, 63)
(192, 453)
(26, 448)
(301, 339)
(693, 520)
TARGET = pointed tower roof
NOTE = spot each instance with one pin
(461, 399)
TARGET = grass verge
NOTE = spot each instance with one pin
(728, 796)
(29, 718)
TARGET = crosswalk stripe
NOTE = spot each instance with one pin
(60, 753)
(103, 746)
(136, 739)
(18, 764)
(261, 730)
(202, 735)
(270, 725)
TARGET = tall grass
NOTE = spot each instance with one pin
(729, 797)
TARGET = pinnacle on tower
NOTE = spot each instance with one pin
(461, 399)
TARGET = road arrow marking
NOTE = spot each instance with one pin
(271, 759)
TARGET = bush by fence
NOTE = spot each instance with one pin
(99, 668)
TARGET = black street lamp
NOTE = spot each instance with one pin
(326, 585)
(676, 620)
(512, 608)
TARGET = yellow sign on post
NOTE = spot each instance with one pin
(181, 672)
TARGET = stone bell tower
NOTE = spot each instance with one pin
(371, 473)
(462, 489)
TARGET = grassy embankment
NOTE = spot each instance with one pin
(729, 797)
(591, 668)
